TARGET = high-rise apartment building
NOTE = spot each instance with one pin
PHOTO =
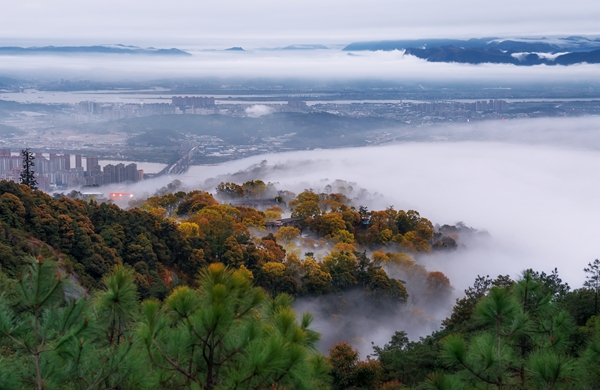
(67, 166)
(90, 163)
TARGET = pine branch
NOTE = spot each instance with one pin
(171, 362)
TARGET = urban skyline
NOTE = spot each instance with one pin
(56, 172)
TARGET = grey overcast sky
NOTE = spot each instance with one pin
(189, 23)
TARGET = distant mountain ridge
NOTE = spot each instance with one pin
(525, 52)
(571, 44)
(96, 49)
(480, 56)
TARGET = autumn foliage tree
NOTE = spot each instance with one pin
(348, 372)
(227, 190)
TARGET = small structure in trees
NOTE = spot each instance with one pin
(27, 174)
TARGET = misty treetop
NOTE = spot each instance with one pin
(325, 226)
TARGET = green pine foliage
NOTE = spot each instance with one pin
(56, 337)
(227, 334)
(503, 335)
(224, 335)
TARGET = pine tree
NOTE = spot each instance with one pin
(27, 174)
(228, 335)
(37, 325)
(53, 337)
(593, 280)
(524, 343)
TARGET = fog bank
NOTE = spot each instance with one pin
(322, 65)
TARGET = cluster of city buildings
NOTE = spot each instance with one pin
(108, 111)
(198, 105)
(95, 175)
(56, 170)
(10, 166)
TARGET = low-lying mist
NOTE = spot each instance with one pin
(322, 65)
(537, 199)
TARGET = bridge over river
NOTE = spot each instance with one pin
(180, 166)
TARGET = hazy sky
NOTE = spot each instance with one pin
(192, 23)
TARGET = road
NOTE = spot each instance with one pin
(181, 165)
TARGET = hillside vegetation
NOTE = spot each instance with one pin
(200, 288)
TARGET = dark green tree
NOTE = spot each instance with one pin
(523, 344)
(27, 174)
(590, 358)
(409, 362)
(37, 324)
(227, 335)
(54, 337)
(593, 280)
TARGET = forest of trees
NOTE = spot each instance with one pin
(529, 333)
(201, 287)
(168, 239)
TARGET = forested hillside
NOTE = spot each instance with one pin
(200, 287)
(170, 238)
